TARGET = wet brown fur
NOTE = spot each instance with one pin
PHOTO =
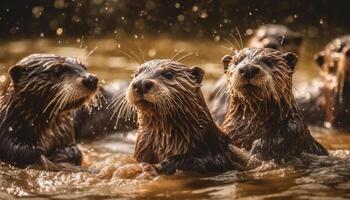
(36, 110)
(175, 126)
(263, 116)
(274, 36)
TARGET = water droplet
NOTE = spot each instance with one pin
(321, 21)
(152, 52)
(59, 31)
(327, 124)
(195, 8)
(204, 14)
(181, 18)
(177, 5)
(37, 11)
(217, 38)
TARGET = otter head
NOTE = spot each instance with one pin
(260, 75)
(328, 61)
(52, 83)
(163, 86)
(334, 58)
(277, 37)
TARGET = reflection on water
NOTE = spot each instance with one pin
(109, 170)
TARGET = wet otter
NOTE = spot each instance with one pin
(36, 109)
(175, 127)
(101, 119)
(275, 36)
(327, 102)
(263, 116)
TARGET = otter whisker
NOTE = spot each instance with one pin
(54, 109)
(136, 56)
(236, 40)
(176, 54)
(129, 56)
(228, 48)
(53, 99)
(90, 53)
(240, 37)
(230, 43)
(141, 52)
(183, 57)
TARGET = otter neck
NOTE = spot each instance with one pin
(188, 128)
(245, 122)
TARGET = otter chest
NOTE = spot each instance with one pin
(60, 133)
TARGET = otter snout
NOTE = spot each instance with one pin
(90, 82)
(249, 71)
(143, 86)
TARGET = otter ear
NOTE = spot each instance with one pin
(15, 73)
(320, 58)
(226, 61)
(291, 59)
(198, 74)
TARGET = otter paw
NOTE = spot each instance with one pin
(166, 167)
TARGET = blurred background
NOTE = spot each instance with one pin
(109, 35)
(197, 18)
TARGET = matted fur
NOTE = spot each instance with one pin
(36, 109)
(175, 126)
(274, 36)
(264, 118)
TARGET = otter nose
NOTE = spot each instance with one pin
(90, 82)
(249, 71)
(143, 86)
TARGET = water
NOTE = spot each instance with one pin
(109, 170)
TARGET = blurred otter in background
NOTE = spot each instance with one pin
(176, 130)
(275, 36)
(263, 116)
(327, 101)
(36, 109)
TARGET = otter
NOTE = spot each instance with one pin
(175, 128)
(101, 119)
(275, 36)
(263, 116)
(326, 102)
(36, 109)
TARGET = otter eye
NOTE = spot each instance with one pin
(59, 70)
(137, 72)
(168, 75)
(268, 62)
